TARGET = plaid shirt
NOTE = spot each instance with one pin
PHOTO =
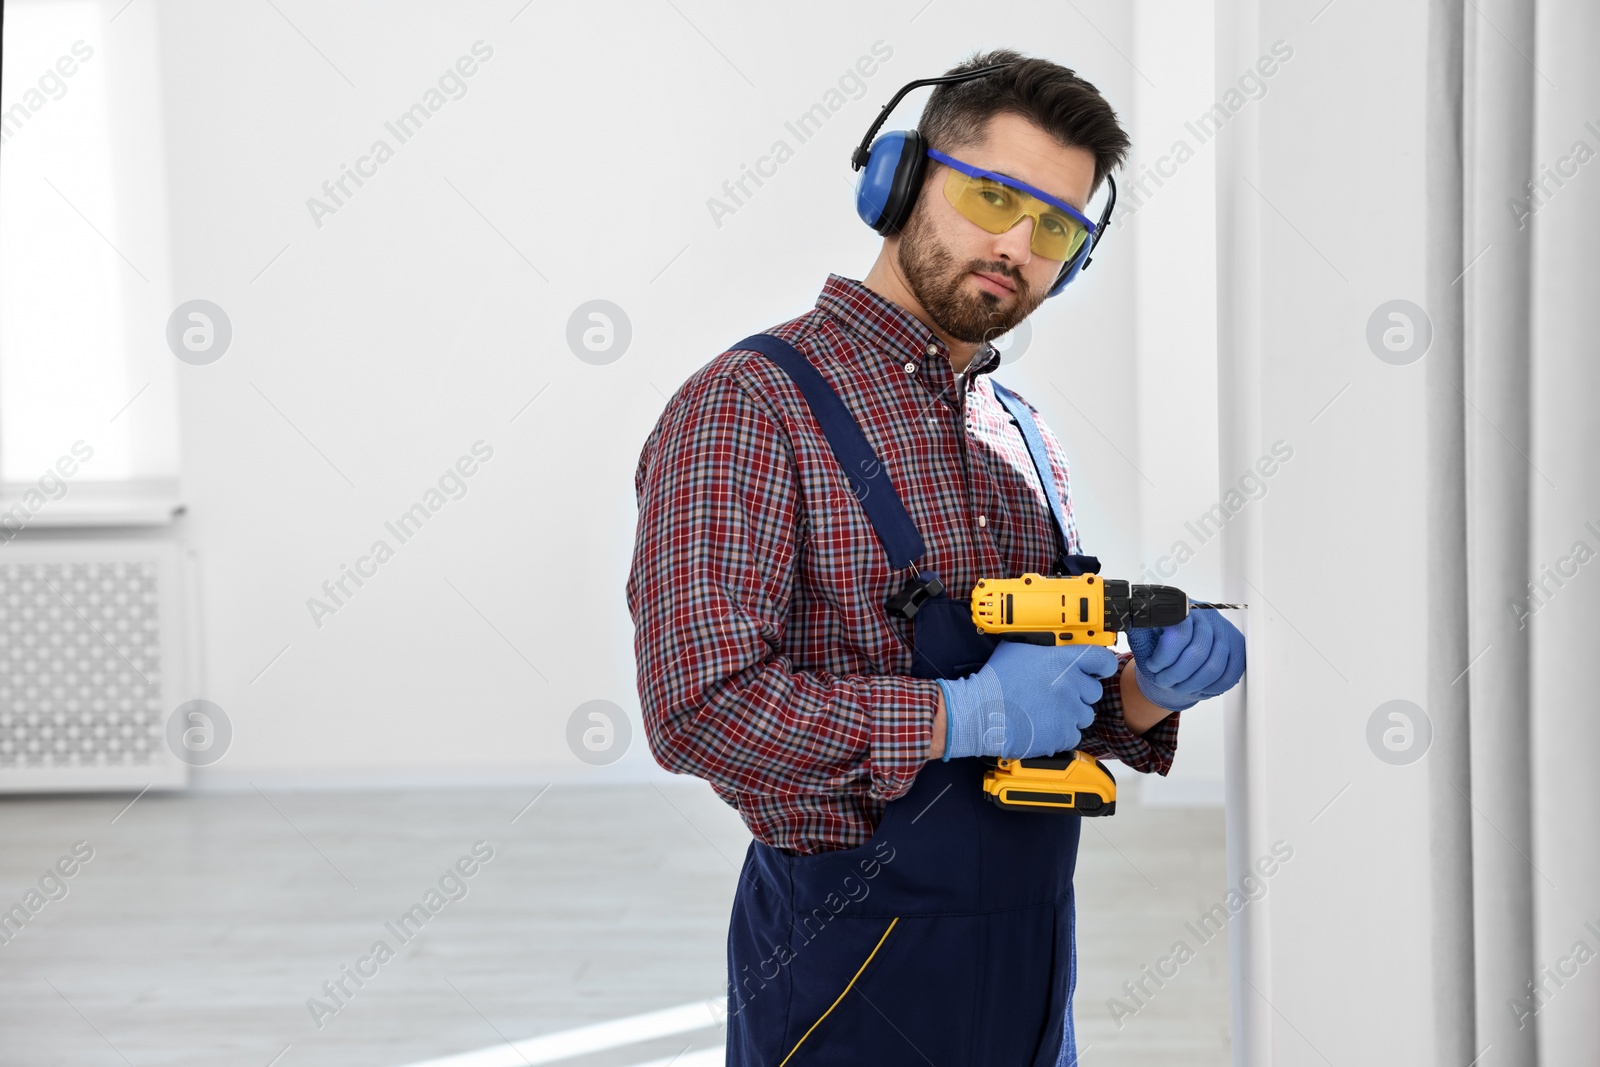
(767, 662)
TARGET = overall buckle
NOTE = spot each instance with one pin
(917, 591)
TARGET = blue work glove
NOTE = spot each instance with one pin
(1179, 666)
(1028, 700)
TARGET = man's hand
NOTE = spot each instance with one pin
(1179, 666)
(1028, 700)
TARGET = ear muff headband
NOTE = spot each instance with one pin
(893, 166)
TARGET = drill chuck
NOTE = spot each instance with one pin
(1130, 605)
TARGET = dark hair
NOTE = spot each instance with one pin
(1046, 94)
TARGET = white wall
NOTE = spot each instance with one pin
(429, 312)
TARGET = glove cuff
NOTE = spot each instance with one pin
(974, 713)
(949, 718)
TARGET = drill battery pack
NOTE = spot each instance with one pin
(1072, 782)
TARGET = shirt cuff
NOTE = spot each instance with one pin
(1109, 735)
(902, 714)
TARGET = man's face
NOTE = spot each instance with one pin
(944, 256)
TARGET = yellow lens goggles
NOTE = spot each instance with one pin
(996, 203)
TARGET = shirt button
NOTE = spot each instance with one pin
(983, 520)
(911, 368)
(933, 350)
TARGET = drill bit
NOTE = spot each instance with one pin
(1216, 607)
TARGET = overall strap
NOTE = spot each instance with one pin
(1023, 419)
(869, 481)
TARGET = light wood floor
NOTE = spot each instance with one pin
(203, 923)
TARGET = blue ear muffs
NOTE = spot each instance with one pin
(888, 186)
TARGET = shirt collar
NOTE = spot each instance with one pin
(898, 336)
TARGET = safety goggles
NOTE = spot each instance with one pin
(995, 202)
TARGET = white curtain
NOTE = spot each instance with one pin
(1442, 545)
(1564, 376)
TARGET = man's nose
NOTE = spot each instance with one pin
(1014, 244)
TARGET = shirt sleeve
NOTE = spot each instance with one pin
(1109, 734)
(709, 589)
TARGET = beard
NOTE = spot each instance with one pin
(940, 285)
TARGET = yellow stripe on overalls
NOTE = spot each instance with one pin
(840, 997)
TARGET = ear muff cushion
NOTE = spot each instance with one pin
(889, 182)
(907, 182)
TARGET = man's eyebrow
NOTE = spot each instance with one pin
(1003, 174)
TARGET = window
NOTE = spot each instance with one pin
(87, 384)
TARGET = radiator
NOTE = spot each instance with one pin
(95, 657)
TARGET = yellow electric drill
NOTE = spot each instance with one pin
(1067, 610)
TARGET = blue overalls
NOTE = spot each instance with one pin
(948, 938)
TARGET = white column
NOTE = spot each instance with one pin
(1166, 214)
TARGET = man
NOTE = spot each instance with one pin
(886, 914)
